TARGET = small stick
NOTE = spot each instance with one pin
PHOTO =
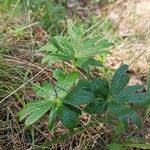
(137, 57)
(23, 84)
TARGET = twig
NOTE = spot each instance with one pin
(23, 84)
(25, 27)
(137, 57)
(24, 63)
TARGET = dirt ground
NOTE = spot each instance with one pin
(132, 19)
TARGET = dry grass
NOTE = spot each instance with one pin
(20, 63)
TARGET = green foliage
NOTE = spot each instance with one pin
(53, 96)
(97, 106)
(148, 89)
(140, 146)
(114, 146)
(119, 80)
(34, 111)
(117, 146)
(7, 5)
(148, 82)
(117, 97)
(98, 95)
(76, 47)
(50, 13)
(70, 116)
(71, 95)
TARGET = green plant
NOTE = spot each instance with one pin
(52, 98)
(50, 14)
(113, 98)
(114, 146)
(96, 96)
(7, 5)
(148, 82)
(77, 48)
(148, 89)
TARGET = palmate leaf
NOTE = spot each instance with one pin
(91, 62)
(103, 44)
(99, 48)
(60, 49)
(62, 86)
(84, 52)
(75, 34)
(49, 47)
(58, 44)
(59, 74)
(76, 48)
(90, 42)
(53, 96)
(34, 111)
(122, 96)
(88, 92)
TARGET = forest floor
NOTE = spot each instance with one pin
(131, 21)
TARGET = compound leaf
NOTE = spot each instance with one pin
(48, 48)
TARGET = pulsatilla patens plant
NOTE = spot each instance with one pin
(113, 98)
(71, 95)
(77, 48)
(99, 96)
